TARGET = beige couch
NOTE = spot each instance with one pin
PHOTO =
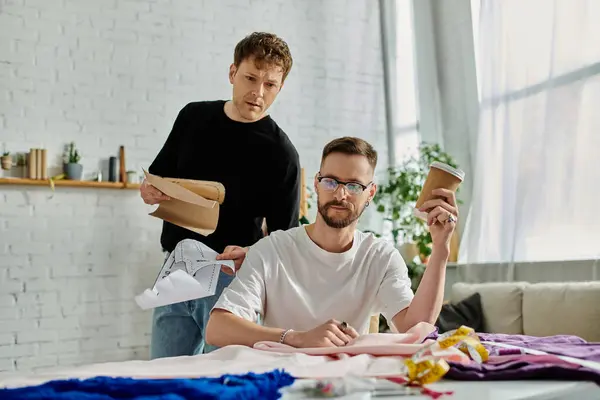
(538, 309)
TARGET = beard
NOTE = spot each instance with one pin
(338, 222)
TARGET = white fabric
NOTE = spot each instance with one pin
(536, 176)
(292, 283)
(241, 360)
(226, 360)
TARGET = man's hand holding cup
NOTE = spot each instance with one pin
(437, 202)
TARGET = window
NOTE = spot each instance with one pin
(406, 130)
(538, 66)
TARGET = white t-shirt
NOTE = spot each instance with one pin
(294, 284)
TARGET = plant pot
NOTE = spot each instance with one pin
(425, 258)
(6, 162)
(132, 177)
(73, 171)
(408, 251)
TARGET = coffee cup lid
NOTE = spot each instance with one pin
(449, 169)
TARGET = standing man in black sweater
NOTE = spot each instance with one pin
(236, 143)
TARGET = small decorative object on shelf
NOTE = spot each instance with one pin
(21, 165)
(6, 161)
(112, 169)
(73, 170)
(133, 177)
(36, 164)
(122, 170)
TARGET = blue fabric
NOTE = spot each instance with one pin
(249, 386)
(178, 329)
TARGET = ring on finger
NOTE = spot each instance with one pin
(451, 218)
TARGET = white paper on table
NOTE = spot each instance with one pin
(190, 272)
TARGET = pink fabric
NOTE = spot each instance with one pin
(376, 344)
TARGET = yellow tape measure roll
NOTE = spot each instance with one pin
(426, 371)
(423, 370)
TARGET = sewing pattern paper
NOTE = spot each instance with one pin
(190, 272)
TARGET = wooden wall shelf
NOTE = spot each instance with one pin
(68, 183)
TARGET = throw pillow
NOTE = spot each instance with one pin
(466, 312)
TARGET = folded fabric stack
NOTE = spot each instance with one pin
(249, 386)
(511, 359)
(463, 354)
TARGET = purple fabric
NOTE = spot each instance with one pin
(531, 358)
(498, 351)
(504, 364)
(520, 370)
(564, 345)
(525, 339)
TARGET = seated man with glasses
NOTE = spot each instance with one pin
(318, 285)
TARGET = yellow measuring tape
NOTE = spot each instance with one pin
(422, 370)
(425, 371)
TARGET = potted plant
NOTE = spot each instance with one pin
(71, 157)
(310, 197)
(396, 199)
(6, 160)
(22, 165)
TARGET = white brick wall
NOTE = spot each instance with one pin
(111, 73)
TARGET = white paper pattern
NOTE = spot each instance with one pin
(190, 272)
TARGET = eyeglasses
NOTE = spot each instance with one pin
(331, 185)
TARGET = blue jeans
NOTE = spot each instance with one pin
(178, 329)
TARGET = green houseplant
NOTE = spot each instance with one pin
(71, 157)
(310, 198)
(6, 160)
(21, 165)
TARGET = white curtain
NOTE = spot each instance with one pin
(398, 53)
(398, 47)
(536, 193)
(406, 134)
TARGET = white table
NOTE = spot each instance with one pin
(487, 390)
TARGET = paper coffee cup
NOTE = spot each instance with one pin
(441, 176)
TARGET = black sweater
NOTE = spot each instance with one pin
(256, 162)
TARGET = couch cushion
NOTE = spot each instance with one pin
(571, 308)
(502, 304)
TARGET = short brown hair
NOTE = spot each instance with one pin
(351, 146)
(266, 48)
